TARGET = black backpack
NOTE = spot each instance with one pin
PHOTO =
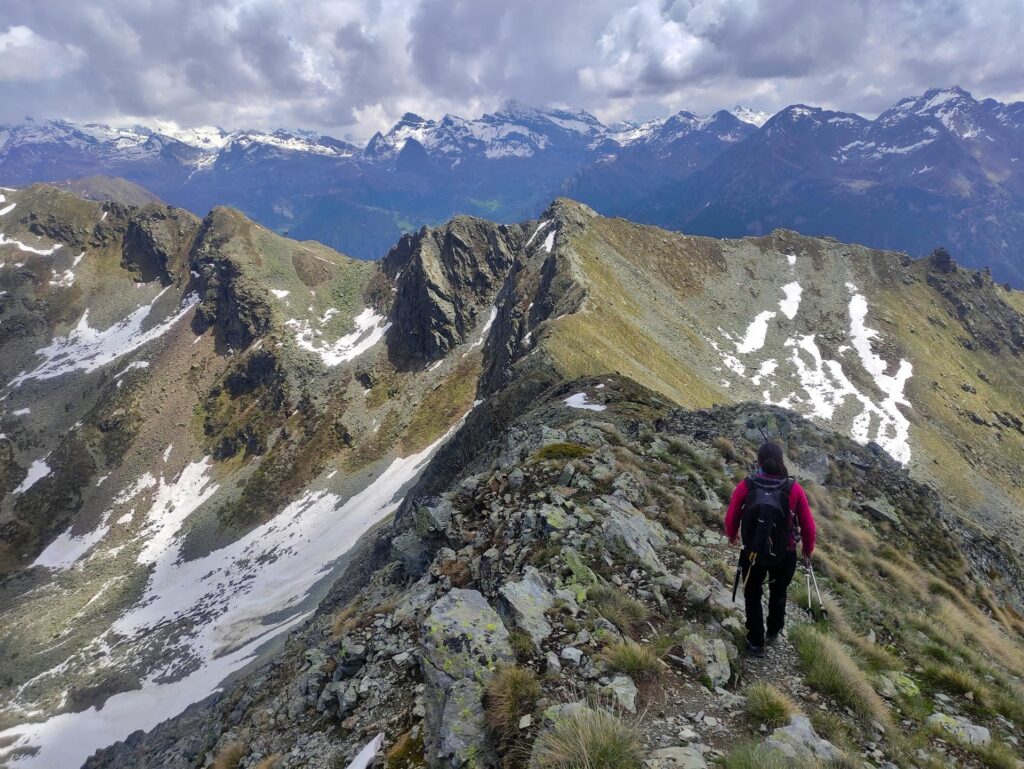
(767, 524)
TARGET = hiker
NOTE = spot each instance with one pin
(769, 510)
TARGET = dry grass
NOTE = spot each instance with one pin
(511, 694)
(590, 739)
(623, 611)
(270, 762)
(229, 756)
(767, 704)
(344, 621)
(725, 448)
(829, 667)
(957, 680)
(641, 663)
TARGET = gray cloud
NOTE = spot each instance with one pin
(356, 65)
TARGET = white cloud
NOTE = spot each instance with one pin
(357, 65)
(27, 57)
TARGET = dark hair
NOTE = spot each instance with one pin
(771, 460)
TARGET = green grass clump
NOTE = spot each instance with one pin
(641, 663)
(957, 681)
(590, 739)
(996, 755)
(521, 643)
(623, 611)
(1010, 705)
(767, 704)
(511, 694)
(563, 451)
(756, 755)
(830, 668)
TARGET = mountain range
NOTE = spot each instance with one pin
(261, 502)
(940, 169)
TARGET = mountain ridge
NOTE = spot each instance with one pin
(923, 174)
(177, 500)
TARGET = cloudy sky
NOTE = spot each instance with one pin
(353, 66)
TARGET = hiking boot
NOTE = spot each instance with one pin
(754, 650)
(771, 638)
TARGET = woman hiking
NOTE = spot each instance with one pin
(769, 510)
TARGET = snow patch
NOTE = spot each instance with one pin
(791, 302)
(87, 349)
(5, 241)
(36, 472)
(540, 227)
(279, 293)
(370, 329)
(549, 241)
(579, 401)
(367, 754)
(756, 333)
(7, 209)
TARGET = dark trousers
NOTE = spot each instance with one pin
(779, 576)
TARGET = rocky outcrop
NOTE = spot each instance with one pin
(157, 242)
(230, 301)
(445, 281)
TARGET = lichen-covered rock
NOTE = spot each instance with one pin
(462, 641)
(623, 692)
(708, 658)
(688, 757)
(630, 534)
(961, 729)
(798, 740)
(525, 604)
(433, 516)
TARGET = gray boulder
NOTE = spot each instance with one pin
(961, 729)
(708, 658)
(630, 534)
(799, 741)
(462, 641)
(525, 603)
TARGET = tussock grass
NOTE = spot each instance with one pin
(511, 694)
(829, 667)
(344, 621)
(590, 739)
(725, 448)
(767, 704)
(229, 757)
(958, 680)
(756, 755)
(835, 728)
(972, 628)
(641, 663)
(623, 611)
(996, 755)
(521, 643)
(270, 762)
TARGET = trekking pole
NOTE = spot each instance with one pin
(736, 584)
(814, 579)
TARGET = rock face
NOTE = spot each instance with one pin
(798, 740)
(445, 279)
(463, 640)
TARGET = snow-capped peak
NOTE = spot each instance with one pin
(748, 115)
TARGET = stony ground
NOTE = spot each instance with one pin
(577, 533)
